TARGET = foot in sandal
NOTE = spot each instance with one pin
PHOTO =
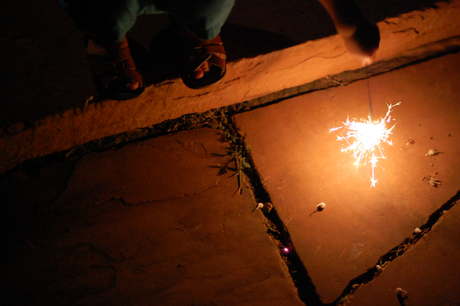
(113, 70)
(206, 63)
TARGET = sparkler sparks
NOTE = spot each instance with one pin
(364, 138)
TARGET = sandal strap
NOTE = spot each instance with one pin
(117, 65)
(217, 61)
(213, 53)
(200, 52)
(217, 49)
(107, 67)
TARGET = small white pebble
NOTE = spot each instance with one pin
(432, 152)
(321, 206)
(378, 267)
(417, 230)
(260, 206)
(400, 292)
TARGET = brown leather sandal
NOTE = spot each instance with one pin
(114, 71)
(211, 51)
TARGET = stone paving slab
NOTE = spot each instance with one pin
(428, 272)
(151, 223)
(301, 165)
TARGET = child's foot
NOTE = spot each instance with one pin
(114, 71)
(206, 64)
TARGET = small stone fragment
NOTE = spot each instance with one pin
(258, 206)
(267, 207)
(432, 180)
(401, 293)
(319, 207)
(432, 152)
(417, 230)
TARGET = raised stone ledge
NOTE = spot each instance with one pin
(412, 35)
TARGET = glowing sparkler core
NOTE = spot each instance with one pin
(367, 136)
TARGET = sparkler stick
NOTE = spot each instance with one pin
(369, 94)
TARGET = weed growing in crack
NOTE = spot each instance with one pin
(239, 153)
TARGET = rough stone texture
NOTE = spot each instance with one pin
(43, 57)
(428, 272)
(411, 35)
(149, 224)
(301, 165)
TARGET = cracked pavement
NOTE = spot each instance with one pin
(157, 222)
(360, 224)
(149, 223)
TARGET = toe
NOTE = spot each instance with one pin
(132, 85)
(205, 67)
(199, 73)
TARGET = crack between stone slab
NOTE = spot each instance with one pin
(171, 126)
(373, 272)
(389, 22)
(124, 202)
(314, 56)
(245, 74)
(407, 30)
(213, 117)
(275, 226)
(197, 96)
(280, 235)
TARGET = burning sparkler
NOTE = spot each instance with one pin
(364, 138)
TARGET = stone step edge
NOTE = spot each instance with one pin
(409, 37)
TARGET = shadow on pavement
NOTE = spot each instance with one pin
(43, 58)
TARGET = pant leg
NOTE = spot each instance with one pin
(205, 18)
(106, 21)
